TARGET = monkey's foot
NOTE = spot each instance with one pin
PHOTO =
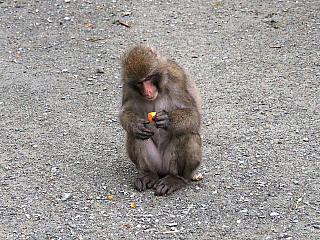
(168, 185)
(197, 177)
(145, 180)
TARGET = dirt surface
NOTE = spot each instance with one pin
(62, 149)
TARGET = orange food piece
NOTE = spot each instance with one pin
(151, 115)
(133, 205)
(110, 197)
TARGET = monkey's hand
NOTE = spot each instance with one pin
(162, 120)
(140, 131)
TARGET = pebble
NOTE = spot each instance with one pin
(274, 214)
(295, 182)
(100, 70)
(65, 196)
(67, 18)
(172, 224)
(305, 139)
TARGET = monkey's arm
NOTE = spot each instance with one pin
(179, 121)
(134, 124)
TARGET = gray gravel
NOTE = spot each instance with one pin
(62, 148)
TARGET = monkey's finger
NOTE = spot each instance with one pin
(138, 185)
(147, 133)
(148, 182)
(158, 190)
(143, 130)
(155, 185)
(160, 117)
(143, 137)
(159, 182)
(162, 124)
(163, 112)
(161, 190)
(145, 121)
(170, 191)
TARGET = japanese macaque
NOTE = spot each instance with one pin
(167, 151)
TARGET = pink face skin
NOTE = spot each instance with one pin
(147, 88)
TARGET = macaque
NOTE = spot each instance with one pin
(167, 151)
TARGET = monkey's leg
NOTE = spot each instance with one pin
(183, 155)
(146, 157)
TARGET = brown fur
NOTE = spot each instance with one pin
(168, 151)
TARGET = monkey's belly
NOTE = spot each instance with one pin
(155, 158)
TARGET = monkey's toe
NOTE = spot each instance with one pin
(138, 185)
(167, 185)
(144, 181)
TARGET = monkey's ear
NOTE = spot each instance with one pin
(153, 51)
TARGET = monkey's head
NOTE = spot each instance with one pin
(142, 70)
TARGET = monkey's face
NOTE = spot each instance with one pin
(147, 88)
(142, 70)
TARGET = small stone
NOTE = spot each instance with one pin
(126, 13)
(295, 182)
(274, 214)
(67, 18)
(244, 211)
(283, 235)
(100, 70)
(305, 139)
(173, 224)
(64, 70)
(316, 226)
(65, 196)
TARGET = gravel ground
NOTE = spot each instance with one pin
(62, 150)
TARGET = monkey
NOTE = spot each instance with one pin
(166, 151)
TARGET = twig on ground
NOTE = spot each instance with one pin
(124, 24)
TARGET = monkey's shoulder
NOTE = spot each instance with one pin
(175, 72)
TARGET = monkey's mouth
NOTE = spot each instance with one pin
(152, 97)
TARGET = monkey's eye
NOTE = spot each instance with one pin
(148, 78)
